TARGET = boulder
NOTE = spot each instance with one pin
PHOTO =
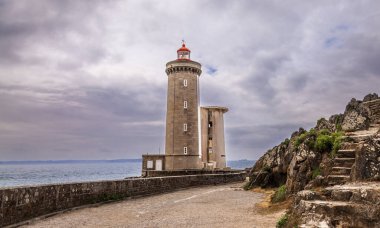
(324, 124)
(371, 97)
(367, 165)
(356, 117)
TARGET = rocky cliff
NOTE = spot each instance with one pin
(342, 149)
(308, 157)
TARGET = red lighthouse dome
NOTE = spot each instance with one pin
(183, 53)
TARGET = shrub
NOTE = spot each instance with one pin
(338, 127)
(337, 137)
(324, 143)
(310, 143)
(308, 138)
(300, 139)
(316, 172)
(313, 133)
(282, 222)
(279, 195)
(324, 132)
(247, 186)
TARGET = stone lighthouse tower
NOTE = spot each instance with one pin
(194, 135)
(182, 146)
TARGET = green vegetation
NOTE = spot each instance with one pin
(324, 132)
(247, 186)
(300, 139)
(337, 138)
(338, 127)
(321, 141)
(324, 143)
(316, 172)
(279, 195)
(282, 222)
(307, 137)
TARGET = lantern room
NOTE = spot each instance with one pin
(183, 53)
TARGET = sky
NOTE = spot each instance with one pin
(86, 79)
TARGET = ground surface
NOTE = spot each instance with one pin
(211, 206)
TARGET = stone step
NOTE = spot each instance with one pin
(347, 150)
(341, 171)
(337, 179)
(344, 162)
(320, 213)
(357, 138)
(346, 153)
(364, 193)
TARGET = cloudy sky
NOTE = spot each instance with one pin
(86, 79)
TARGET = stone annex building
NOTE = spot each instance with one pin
(194, 135)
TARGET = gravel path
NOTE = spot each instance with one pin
(210, 206)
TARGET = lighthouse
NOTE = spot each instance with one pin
(194, 138)
(182, 142)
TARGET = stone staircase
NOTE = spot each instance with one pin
(345, 157)
(341, 171)
(350, 205)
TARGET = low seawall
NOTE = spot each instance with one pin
(22, 203)
(163, 173)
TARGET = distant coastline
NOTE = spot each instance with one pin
(22, 173)
(243, 163)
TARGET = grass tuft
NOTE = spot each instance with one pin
(282, 222)
(279, 195)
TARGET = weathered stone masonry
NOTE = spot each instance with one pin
(23, 203)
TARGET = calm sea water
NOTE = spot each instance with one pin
(33, 174)
(56, 172)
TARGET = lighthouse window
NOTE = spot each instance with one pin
(185, 150)
(185, 82)
(184, 127)
(185, 104)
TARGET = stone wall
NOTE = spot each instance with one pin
(23, 203)
(163, 173)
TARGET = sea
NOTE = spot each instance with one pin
(23, 173)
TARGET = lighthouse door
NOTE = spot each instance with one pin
(159, 165)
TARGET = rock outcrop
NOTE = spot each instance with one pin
(341, 150)
(371, 97)
(329, 153)
(367, 165)
(356, 117)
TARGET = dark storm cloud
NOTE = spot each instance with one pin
(85, 79)
(24, 25)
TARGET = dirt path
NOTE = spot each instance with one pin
(211, 206)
